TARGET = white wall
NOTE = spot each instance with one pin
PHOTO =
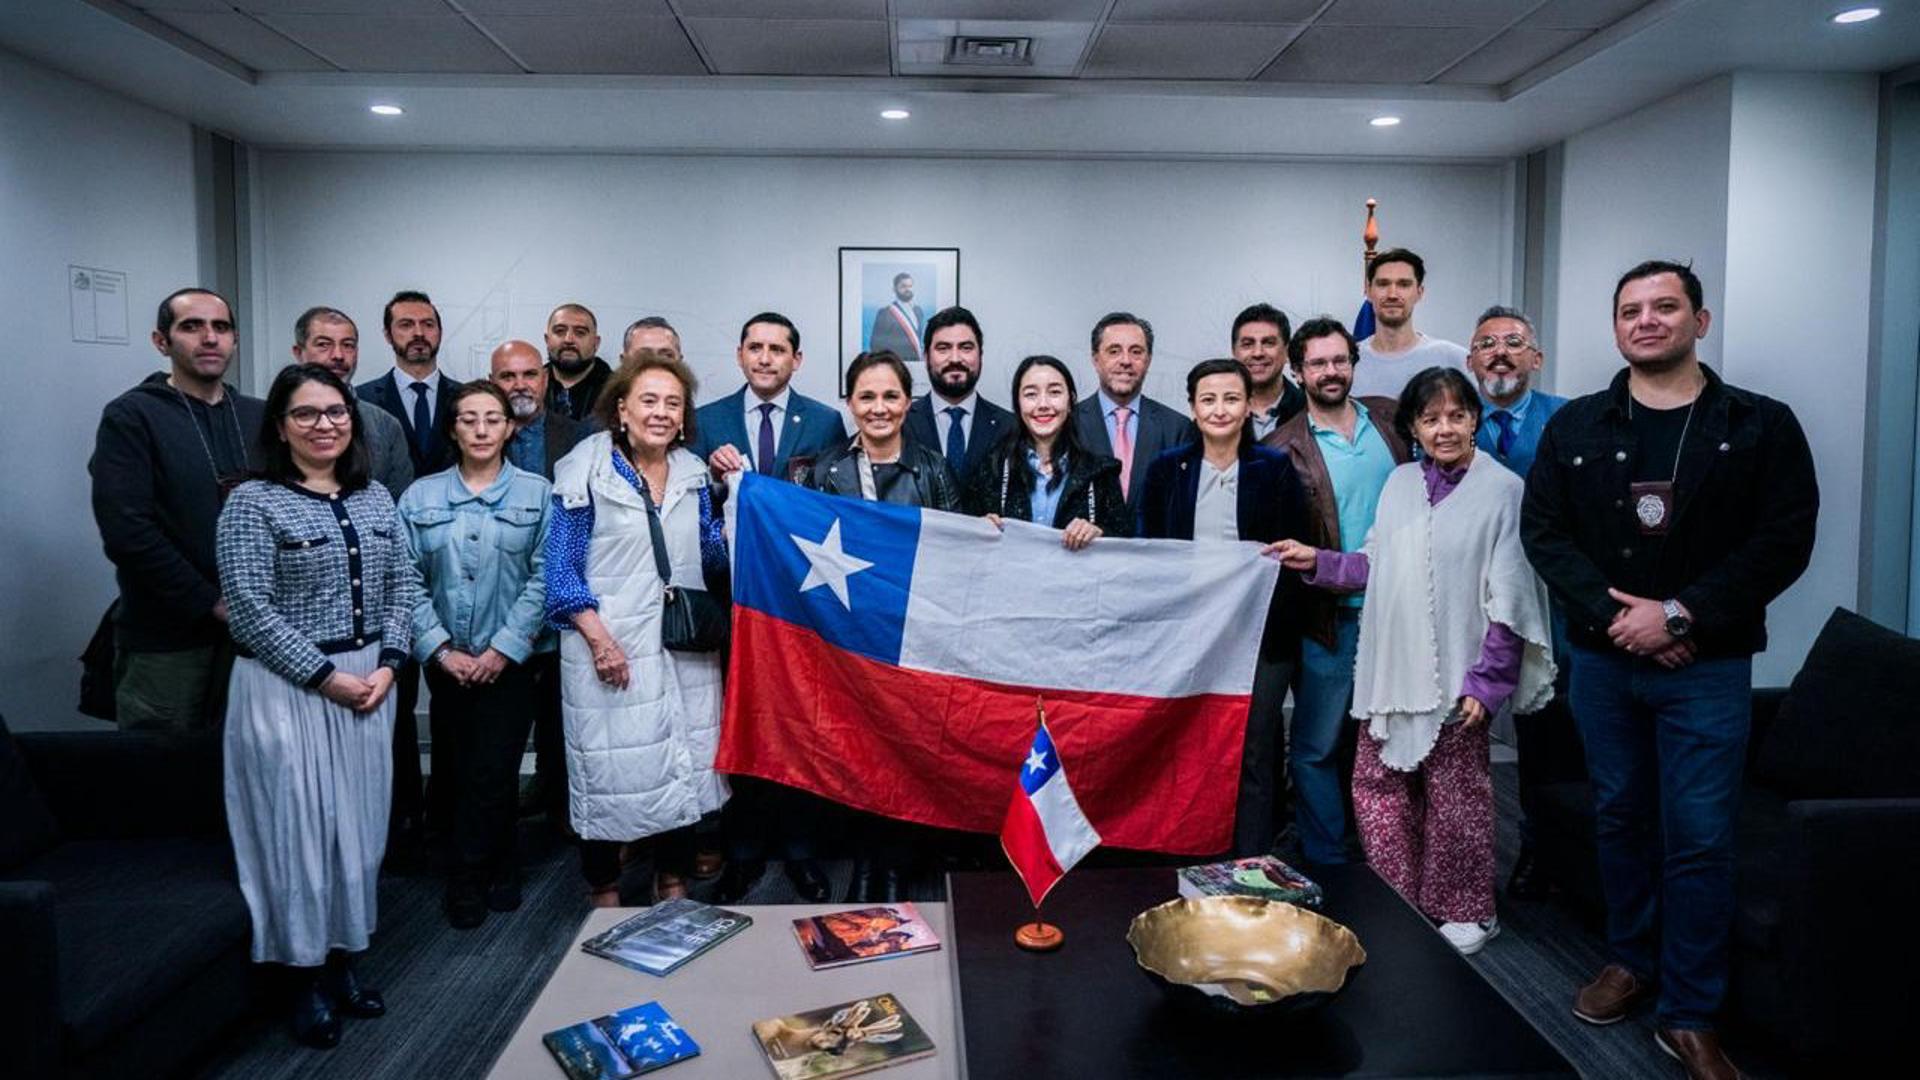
(90, 179)
(1798, 307)
(1046, 247)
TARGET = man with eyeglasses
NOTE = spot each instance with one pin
(1343, 449)
(1504, 357)
(327, 338)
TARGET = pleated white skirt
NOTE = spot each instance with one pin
(308, 787)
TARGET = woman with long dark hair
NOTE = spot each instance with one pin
(320, 596)
(1041, 472)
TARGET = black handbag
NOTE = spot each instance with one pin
(691, 620)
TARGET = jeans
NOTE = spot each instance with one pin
(1322, 694)
(1666, 750)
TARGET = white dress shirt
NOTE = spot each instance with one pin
(752, 403)
(942, 423)
(404, 382)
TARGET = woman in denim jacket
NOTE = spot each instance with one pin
(477, 532)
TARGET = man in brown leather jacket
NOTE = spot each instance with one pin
(1343, 449)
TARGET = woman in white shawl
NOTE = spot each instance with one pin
(1454, 628)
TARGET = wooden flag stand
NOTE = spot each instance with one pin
(1039, 935)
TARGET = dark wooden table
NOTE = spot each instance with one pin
(1416, 1008)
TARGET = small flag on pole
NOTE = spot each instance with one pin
(1045, 833)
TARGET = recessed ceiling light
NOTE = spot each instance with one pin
(1856, 15)
(1385, 121)
(894, 114)
(385, 110)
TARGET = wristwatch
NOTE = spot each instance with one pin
(1678, 623)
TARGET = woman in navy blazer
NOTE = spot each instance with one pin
(1227, 487)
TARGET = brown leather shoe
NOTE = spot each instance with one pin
(1609, 997)
(707, 865)
(1699, 1051)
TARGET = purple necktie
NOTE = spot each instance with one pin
(765, 463)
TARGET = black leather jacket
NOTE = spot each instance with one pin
(1092, 491)
(933, 486)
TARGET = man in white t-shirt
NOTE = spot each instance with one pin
(1395, 351)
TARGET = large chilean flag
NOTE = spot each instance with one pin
(888, 658)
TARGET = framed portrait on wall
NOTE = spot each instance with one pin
(886, 296)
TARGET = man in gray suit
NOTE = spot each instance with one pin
(1117, 419)
(326, 337)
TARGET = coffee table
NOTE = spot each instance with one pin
(753, 975)
(1416, 1008)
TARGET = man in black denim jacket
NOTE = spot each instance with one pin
(1665, 513)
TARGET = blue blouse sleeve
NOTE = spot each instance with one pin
(714, 566)
(566, 564)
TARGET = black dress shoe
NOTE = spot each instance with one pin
(809, 881)
(1528, 882)
(739, 878)
(349, 997)
(504, 894)
(314, 1022)
(860, 884)
(466, 903)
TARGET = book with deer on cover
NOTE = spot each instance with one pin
(842, 1040)
(839, 938)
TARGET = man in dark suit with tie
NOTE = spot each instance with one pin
(952, 418)
(766, 425)
(897, 328)
(1118, 420)
(414, 391)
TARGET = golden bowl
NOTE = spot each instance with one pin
(1243, 953)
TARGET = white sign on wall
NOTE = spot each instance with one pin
(98, 301)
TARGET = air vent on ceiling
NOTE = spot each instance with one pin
(990, 51)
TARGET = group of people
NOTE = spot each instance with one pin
(1456, 543)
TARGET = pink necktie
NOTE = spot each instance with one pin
(1123, 444)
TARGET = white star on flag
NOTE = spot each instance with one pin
(828, 564)
(1036, 760)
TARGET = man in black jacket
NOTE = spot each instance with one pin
(575, 372)
(164, 452)
(1665, 513)
(951, 418)
(1119, 419)
(415, 391)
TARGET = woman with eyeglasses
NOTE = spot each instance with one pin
(477, 533)
(320, 598)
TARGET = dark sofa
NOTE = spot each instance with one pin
(123, 928)
(1827, 918)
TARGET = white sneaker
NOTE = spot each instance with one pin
(1467, 937)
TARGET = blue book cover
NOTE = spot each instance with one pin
(626, 1043)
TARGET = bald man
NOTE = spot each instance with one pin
(575, 372)
(541, 436)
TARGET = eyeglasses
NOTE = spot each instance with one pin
(1511, 341)
(307, 417)
(1332, 363)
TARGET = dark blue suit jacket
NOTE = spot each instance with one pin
(438, 453)
(812, 429)
(1162, 428)
(986, 431)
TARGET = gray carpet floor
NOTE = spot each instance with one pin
(455, 997)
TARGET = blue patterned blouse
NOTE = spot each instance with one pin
(570, 530)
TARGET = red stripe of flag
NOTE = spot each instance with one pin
(1024, 839)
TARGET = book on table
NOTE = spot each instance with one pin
(1262, 875)
(854, 936)
(626, 1043)
(666, 935)
(842, 1040)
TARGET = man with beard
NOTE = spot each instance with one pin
(541, 436)
(1343, 448)
(1259, 342)
(325, 337)
(414, 392)
(1117, 419)
(575, 371)
(650, 333)
(767, 426)
(897, 328)
(952, 419)
(1504, 356)
(162, 458)
(1665, 512)
(1395, 351)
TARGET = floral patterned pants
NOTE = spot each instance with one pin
(1429, 833)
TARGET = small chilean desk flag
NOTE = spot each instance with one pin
(1045, 833)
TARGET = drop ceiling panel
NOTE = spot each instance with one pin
(1032, 10)
(184, 5)
(244, 39)
(1345, 54)
(1510, 54)
(656, 8)
(1186, 51)
(1579, 14)
(1215, 11)
(338, 7)
(793, 46)
(396, 43)
(785, 9)
(1402, 13)
(597, 44)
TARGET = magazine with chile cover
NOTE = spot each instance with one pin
(842, 1040)
(857, 935)
(1263, 876)
(666, 935)
(626, 1043)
